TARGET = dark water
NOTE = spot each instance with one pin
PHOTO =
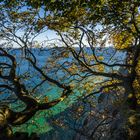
(39, 123)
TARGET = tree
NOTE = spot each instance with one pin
(95, 23)
(13, 87)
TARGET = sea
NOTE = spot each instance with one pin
(40, 122)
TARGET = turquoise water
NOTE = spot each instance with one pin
(39, 123)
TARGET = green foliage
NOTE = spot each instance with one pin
(85, 23)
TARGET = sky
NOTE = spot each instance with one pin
(49, 35)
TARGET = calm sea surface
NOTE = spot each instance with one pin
(39, 122)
